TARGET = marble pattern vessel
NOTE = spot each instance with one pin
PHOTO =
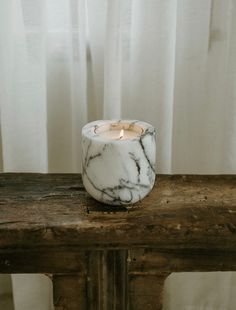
(118, 171)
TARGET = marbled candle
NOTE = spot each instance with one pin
(118, 160)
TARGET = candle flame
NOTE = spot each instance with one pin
(121, 134)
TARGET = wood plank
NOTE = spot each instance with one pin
(155, 262)
(69, 291)
(145, 291)
(116, 280)
(101, 284)
(43, 260)
(193, 212)
(107, 284)
(73, 260)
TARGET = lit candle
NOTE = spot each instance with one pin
(118, 159)
(118, 134)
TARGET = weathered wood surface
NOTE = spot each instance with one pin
(197, 212)
(69, 291)
(145, 290)
(71, 260)
(110, 258)
(100, 283)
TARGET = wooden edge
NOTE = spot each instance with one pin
(71, 260)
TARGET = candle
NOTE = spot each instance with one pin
(118, 134)
(118, 160)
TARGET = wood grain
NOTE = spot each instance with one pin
(69, 292)
(54, 210)
(114, 258)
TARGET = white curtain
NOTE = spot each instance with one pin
(168, 62)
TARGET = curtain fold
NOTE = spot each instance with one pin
(23, 92)
(168, 62)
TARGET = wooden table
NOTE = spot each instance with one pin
(102, 257)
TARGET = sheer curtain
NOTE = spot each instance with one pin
(169, 62)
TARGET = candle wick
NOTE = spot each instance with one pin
(121, 134)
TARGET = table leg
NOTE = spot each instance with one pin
(69, 291)
(107, 280)
(145, 291)
(100, 285)
(145, 281)
(112, 280)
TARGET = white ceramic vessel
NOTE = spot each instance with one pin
(118, 160)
